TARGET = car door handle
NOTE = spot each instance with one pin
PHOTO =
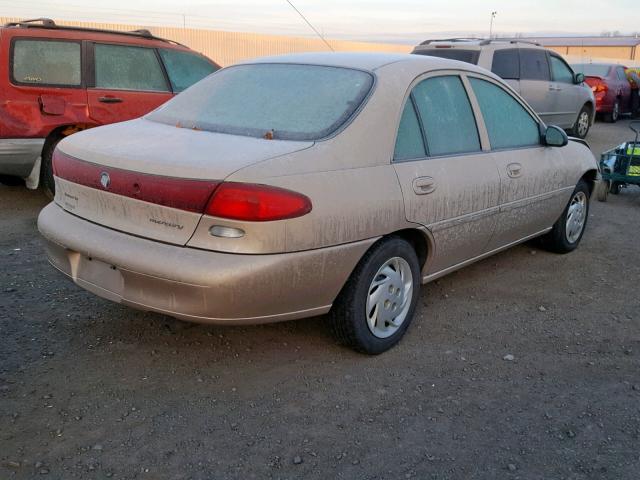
(514, 170)
(110, 100)
(424, 185)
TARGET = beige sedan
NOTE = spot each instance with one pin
(301, 185)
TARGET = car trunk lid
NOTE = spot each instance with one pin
(149, 179)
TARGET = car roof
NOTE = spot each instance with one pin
(370, 61)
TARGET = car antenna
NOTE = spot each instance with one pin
(312, 27)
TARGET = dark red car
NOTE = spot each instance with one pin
(610, 87)
(57, 80)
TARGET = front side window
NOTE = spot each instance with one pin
(506, 64)
(446, 115)
(184, 68)
(561, 72)
(278, 100)
(121, 67)
(534, 64)
(409, 142)
(508, 123)
(46, 62)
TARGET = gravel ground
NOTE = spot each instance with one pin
(525, 365)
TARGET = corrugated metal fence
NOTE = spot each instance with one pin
(229, 47)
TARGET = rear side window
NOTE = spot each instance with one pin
(561, 71)
(534, 65)
(506, 64)
(121, 67)
(446, 115)
(409, 143)
(41, 62)
(469, 56)
(508, 123)
(621, 74)
(184, 68)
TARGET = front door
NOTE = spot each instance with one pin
(128, 82)
(533, 183)
(448, 183)
(565, 93)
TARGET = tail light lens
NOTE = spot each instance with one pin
(599, 87)
(256, 203)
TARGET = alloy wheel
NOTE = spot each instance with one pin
(583, 124)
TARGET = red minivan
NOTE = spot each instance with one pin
(56, 80)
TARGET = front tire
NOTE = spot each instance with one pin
(376, 305)
(567, 232)
(583, 123)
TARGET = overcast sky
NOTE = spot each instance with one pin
(373, 20)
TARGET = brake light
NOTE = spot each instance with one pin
(599, 87)
(256, 203)
(181, 193)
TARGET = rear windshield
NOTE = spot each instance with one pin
(591, 70)
(469, 56)
(288, 101)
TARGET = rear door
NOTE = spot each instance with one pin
(449, 184)
(126, 82)
(506, 64)
(565, 94)
(535, 82)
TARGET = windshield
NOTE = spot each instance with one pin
(469, 56)
(591, 69)
(280, 101)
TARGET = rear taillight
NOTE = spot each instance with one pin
(599, 87)
(256, 203)
(180, 193)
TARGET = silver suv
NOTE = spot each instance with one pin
(539, 75)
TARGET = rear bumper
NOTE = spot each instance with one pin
(196, 285)
(18, 155)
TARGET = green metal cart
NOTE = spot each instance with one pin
(620, 166)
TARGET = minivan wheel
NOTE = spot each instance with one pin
(46, 168)
(614, 114)
(567, 232)
(376, 305)
(581, 127)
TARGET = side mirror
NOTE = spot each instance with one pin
(579, 78)
(555, 137)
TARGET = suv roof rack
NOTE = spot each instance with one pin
(48, 23)
(482, 41)
(458, 39)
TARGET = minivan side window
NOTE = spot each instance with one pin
(508, 123)
(561, 72)
(46, 62)
(122, 67)
(506, 64)
(409, 142)
(184, 68)
(447, 117)
(533, 64)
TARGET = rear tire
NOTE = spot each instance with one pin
(376, 305)
(47, 182)
(614, 114)
(567, 232)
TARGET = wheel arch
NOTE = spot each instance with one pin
(591, 177)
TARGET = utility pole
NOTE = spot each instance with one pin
(493, 15)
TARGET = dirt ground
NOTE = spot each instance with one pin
(93, 390)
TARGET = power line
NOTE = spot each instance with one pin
(309, 23)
